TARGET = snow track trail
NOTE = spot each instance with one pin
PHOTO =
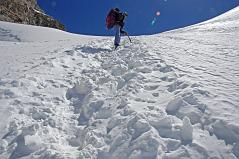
(91, 102)
(168, 96)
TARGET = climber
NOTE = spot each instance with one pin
(115, 18)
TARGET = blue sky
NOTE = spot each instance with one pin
(88, 16)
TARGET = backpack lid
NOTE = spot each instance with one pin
(117, 9)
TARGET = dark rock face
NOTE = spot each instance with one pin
(26, 12)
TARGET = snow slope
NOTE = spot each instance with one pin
(172, 95)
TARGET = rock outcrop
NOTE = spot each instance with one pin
(26, 12)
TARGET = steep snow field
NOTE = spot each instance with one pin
(166, 96)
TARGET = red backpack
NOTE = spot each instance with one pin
(110, 19)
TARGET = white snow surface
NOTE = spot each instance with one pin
(173, 95)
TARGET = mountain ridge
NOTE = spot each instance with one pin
(26, 12)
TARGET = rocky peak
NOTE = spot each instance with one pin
(26, 12)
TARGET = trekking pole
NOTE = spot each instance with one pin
(129, 37)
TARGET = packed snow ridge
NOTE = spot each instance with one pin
(167, 96)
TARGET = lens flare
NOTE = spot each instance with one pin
(153, 22)
(158, 13)
(155, 18)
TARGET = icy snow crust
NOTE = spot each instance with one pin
(167, 96)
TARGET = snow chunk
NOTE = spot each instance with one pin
(191, 112)
(3, 145)
(79, 90)
(172, 144)
(7, 93)
(33, 141)
(118, 70)
(144, 70)
(147, 146)
(27, 142)
(162, 123)
(226, 131)
(179, 153)
(187, 130)
(174, 105)
(236, 149)
(137, 126)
